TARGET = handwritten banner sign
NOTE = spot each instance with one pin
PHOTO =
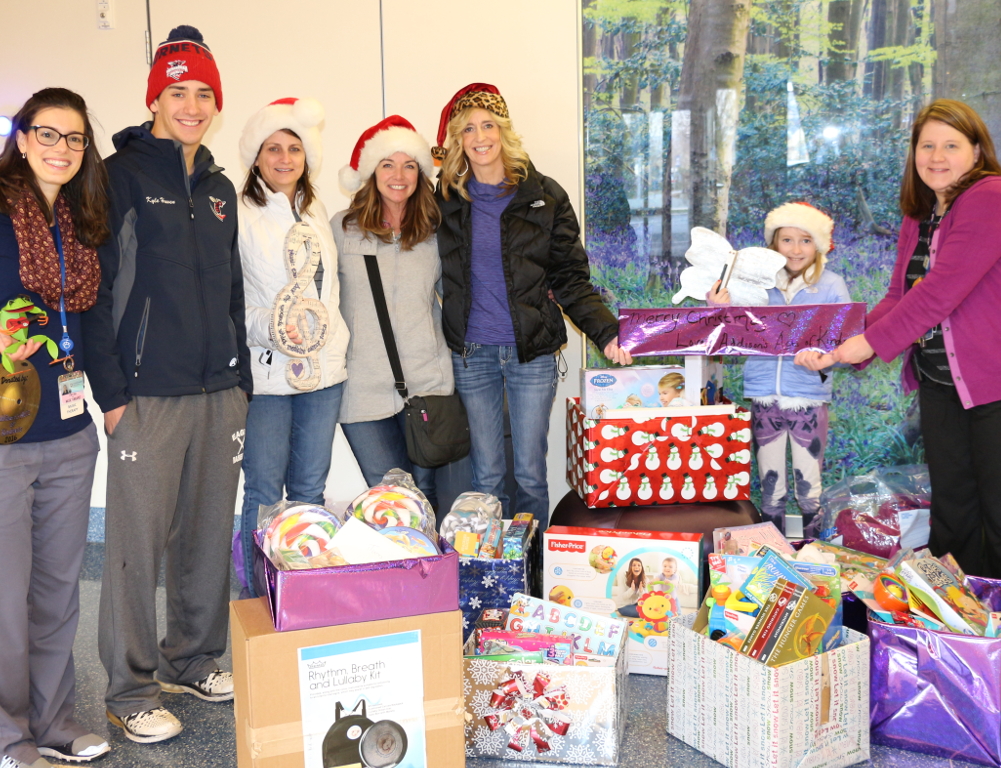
(739, 330)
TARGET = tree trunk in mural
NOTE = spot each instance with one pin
(843, 54)
(968, 40)
(711, 74)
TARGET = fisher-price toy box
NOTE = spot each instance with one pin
(813, 712)
(643, 577)
(664, 460)
(547, 713)
(607, 392)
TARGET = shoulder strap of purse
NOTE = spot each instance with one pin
(382, 311)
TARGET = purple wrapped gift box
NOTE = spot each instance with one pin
(937, 692)
(347, 594)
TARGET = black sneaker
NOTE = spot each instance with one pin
(217, 686)
(81, 750)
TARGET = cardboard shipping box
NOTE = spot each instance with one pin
(812, 713)
(364, 690)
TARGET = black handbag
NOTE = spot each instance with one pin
(437, 427)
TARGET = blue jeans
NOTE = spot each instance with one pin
(381, 445)
(286, 455)
(483, 374)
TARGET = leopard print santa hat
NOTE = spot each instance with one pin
(481, 95)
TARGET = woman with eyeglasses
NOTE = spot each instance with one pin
(53, 215)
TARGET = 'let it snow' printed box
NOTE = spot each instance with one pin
(671, 460)
(812, 713)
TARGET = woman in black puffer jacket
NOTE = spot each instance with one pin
(509, 244)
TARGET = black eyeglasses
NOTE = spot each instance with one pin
(49, 137)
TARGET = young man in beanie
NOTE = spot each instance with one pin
(171, 369)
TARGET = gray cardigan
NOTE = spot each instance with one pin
(409, 279)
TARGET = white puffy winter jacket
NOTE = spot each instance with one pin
(262, 241)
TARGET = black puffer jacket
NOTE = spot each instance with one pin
(541, 248)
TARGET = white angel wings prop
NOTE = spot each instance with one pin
(750, 271)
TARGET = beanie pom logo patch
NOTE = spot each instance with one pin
(176, 68)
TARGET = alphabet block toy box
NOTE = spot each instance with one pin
(669, 460)
(644, 577)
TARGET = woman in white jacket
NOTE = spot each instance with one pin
(295, 331)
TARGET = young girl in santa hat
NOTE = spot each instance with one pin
(789, 395)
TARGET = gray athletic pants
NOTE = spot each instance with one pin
(173, 470)
(43, 530)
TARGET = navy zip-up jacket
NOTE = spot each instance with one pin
(169, 317)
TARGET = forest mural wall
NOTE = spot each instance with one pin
(712, 112)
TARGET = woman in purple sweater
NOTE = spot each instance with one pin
(943, 313)
(511, 257)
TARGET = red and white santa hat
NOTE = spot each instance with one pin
(802, 216)
(392, 135)
(479, 95)
(301, 116)
(183, 56)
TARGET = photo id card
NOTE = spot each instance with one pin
(71, 399)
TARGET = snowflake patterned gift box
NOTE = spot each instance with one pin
(664, 460)
(490, 583)
(811, 713)
(545, 713)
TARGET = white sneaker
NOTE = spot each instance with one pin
(217, 686)
(149, 726)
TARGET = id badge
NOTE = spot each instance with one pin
(71, 399)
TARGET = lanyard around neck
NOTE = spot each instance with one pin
(65, 343)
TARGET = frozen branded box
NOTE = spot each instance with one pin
(605, 392)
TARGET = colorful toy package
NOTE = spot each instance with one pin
(791, 626)
(595, 638)
(556, 648)
(772, 608)
(947, 598)
(605, 391)
(748, 539)
(660, 460)
(760, 582)
(642, 577)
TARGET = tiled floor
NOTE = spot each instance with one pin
(208, 739)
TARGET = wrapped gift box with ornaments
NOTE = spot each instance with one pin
(548, 713)
(662, 460)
